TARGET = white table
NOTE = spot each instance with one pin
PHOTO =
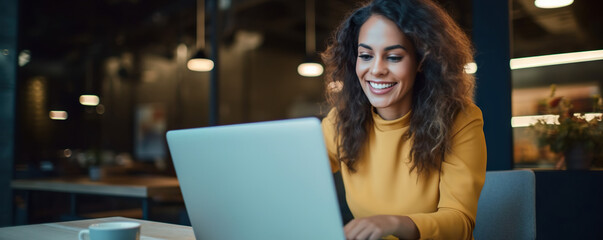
(69, 230)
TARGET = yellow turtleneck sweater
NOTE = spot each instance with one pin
(442, 204)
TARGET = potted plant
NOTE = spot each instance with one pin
(578, 136)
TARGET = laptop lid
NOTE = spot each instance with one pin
(266, 180)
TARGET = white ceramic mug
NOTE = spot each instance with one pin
(111, 231)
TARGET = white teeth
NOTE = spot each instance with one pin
(381, 85)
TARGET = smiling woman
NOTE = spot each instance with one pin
(404, 131)
(386, 67)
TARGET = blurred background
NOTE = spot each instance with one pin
(132, 54)
(129, 59)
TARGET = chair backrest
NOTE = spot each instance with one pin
(507, 206)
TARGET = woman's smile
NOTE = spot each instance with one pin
(381, 87)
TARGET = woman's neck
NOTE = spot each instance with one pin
(391, 113)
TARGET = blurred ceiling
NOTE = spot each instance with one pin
(573, 28)
(71, 29)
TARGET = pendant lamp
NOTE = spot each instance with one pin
(199, 62)
(310, 67)
(89, 99)
(552, 3)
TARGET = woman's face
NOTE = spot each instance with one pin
(386, 67)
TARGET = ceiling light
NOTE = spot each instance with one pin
(310, 68)
(552, 3)
(199, 62)
(24, 57)
(526, 121)
(556, 59)
(470, 68)
(89, 100)
(58, 115)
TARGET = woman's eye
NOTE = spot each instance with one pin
(365, 57)
(394, 58)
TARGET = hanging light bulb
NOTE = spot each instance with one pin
(552, 3)
(89, 100)
(471, 68)
(58, 115)
(310, 68)
(199, 62)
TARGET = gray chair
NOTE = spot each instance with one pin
(507, 206)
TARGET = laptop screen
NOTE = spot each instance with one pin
(266, 180)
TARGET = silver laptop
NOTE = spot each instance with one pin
(266, 180)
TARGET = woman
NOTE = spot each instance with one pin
(404, 131)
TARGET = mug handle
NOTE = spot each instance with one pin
(84, 234)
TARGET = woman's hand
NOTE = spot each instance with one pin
(376, 227)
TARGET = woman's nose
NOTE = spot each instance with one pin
(378, 67)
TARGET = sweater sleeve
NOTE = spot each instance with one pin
(462, 176)
(328, 131)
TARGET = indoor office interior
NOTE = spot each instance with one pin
(89, 89)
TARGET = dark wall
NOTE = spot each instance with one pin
(568, 204)
(493, 96)
(8, 65)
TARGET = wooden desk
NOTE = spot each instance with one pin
(142, 187)
(69, 230)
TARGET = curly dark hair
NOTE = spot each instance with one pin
(441, 90)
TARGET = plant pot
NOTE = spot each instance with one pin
(578, 157)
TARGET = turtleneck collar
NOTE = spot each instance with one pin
(386, 125)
